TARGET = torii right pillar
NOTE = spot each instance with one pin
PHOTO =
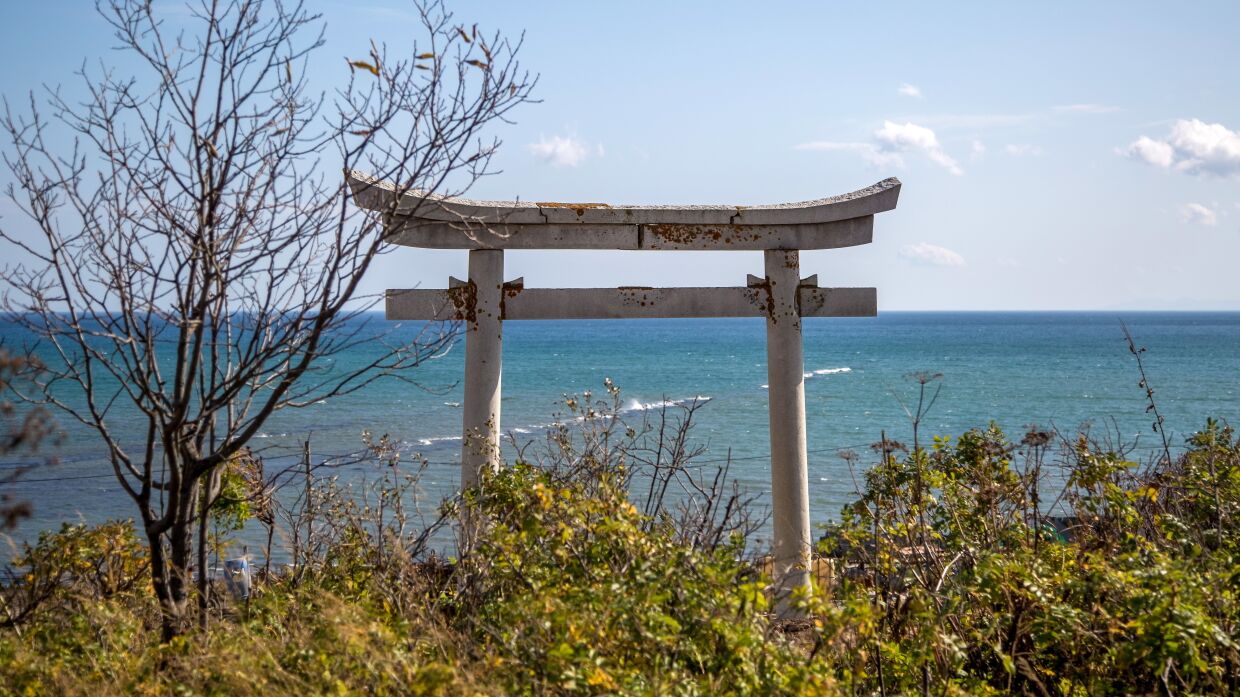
(785, 367)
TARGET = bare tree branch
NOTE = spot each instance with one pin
(197, 256)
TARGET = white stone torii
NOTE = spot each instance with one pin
(484, 301)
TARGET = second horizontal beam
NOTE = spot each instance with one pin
(620, 303)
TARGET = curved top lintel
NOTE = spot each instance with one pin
(375, 194)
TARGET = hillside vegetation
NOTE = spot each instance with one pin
(976, 565)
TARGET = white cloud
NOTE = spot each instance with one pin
(1023, 150)
(560, 151)
(1085, 109)
(906, 135)
(909, 136)
(1154, 152)
(889, 142)
(978, 149)
(909, 90)
(1198, 214)
(1192, 147)
(930, 255)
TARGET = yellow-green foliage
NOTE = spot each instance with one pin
(565, 593)
(321, 645)
(949, 578)
(567, 590)
(975, 588)
(293, 639)
(78, 612)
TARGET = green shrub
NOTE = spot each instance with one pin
(568, 590)
(969, 584)
(958, 569)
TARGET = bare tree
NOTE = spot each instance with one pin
(195, 254)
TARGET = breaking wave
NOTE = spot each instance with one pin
(819, 373)
(437, 439)
(634, 405)
(629, 407)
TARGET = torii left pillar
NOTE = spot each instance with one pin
(791, 548)
(484, 344)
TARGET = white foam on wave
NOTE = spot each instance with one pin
(437, 439)
(819, 373)
(634, 405)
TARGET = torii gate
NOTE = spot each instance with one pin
(484, 301)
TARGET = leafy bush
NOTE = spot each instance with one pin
(974, 566)
(568, 590)
(77, 565)
(968, 581)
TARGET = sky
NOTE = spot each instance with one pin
(1055, 156)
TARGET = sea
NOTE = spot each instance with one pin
(1068, 371)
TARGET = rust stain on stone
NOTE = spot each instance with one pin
(464, 299)
(578, 208)
(764, 286)
(636, 295)
(508, 290)
(684, 234)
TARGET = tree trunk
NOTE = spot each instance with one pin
(171, 557)
(180, 553)
(171, 612)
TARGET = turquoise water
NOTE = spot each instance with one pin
(1049, 369)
